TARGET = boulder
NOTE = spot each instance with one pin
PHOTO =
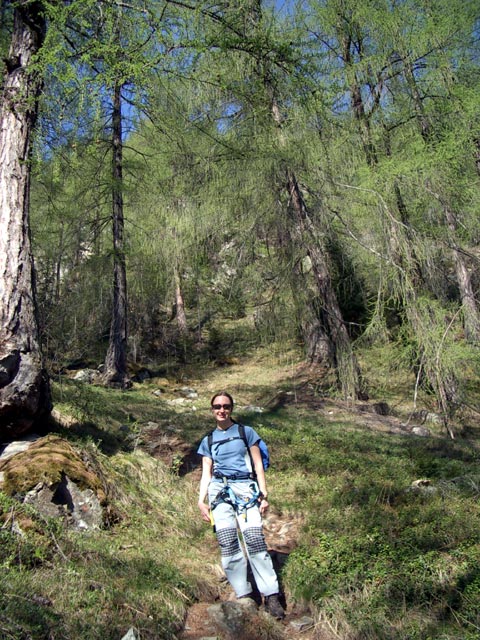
(250, 408)
(25, 400)
(52, 476)
(422, 432)
(85, 375)
(235, 621)
(188, 392)
(302, 624)
(79, 508)
(60, 419)
(422, 486)
(176, 402)
(17, 446)
(230, 618)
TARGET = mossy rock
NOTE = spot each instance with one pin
(47, 461)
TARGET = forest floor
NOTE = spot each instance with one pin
(343, 474)
(282, 530)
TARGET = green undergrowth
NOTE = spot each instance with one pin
(391, 543)
(141, 572)
(389, 548)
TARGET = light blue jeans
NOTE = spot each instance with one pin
(227, 523)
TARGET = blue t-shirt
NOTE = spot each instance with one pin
(231, 457)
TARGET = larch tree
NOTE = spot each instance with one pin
(328, 341)
(252, 84)
(389, 65)
(115, 54)
(24, 387)
(115, 369)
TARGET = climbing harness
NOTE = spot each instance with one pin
(240, 505)
(226, 494)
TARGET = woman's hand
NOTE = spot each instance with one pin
(205, 511)
(263, 506)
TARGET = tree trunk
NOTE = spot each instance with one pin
(422, 118)
(477, 155)
(179, 304)
(24, 387)
(361, 116)
(471, 315)
(329, 337)
(115, 373)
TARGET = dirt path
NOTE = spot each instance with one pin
(198, 625)
(281, 534)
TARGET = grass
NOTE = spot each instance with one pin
(377, 558)
(142, 572)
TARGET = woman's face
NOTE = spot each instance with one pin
(222, 407)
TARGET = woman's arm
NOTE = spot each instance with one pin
(260, 473)
(207, 466)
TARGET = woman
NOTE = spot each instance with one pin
(233, 479)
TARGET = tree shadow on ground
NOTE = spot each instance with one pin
(107, 442)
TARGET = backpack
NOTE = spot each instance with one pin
(261, 445)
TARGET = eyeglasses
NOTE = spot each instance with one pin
(217, 407)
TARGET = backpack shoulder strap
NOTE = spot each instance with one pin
(241, 432)
(241, 435)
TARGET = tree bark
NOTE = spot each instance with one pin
(329, 337)
(361, 116)
(179, 303)
(471, 315)
(115, 373)
(24, 386)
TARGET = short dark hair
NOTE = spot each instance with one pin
(222, 393)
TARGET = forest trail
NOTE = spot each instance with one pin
(281, 529)
(281, 533)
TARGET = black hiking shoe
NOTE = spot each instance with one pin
(273, 607)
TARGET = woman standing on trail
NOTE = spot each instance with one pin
(233, 479)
